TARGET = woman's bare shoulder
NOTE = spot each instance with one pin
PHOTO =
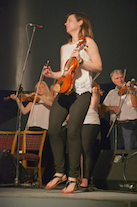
(90, 41)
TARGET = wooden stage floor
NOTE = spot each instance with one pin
(17, 196)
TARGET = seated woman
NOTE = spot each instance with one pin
(39, 119)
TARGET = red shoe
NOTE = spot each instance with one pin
(60, 180)
(67, 184)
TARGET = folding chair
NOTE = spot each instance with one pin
(8, 140)
(7, 162)
(32, 141)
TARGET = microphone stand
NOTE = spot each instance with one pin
(19, 90)
(114, 122)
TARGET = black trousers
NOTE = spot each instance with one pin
(90, 147)
(77, 106)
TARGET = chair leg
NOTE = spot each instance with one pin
(24, 163)
(40, 176)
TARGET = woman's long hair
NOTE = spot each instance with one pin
(48, 93)
(86, 29)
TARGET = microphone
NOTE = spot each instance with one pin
(35, 25)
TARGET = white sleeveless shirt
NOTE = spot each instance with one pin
(82, 78)
(92, 117)
(40, 116)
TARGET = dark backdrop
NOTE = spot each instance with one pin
(114, 26)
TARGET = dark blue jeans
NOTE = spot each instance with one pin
(129, 133)
(77, 106)
(126, 135)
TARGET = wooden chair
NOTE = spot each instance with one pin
(8, 140)
(32, 141)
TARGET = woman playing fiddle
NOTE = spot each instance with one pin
(40, 115)
(39, 119)
(75, 103)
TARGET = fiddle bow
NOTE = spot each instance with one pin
(34, 101)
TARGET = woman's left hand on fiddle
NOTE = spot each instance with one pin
(13, 96)
(75, 54)
(33, 94)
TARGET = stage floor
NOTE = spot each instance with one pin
(17, 196)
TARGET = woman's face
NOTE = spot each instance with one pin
(72, 24)
(42, 89)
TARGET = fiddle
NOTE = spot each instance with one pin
(65, 82)
(94, 84)
(24, 98)
(124, 89)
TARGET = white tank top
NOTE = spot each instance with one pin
(92, 117)
(40, 116)
(82, 78)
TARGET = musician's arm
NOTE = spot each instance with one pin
(96, 64)
(48, 101)
(55, 75)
